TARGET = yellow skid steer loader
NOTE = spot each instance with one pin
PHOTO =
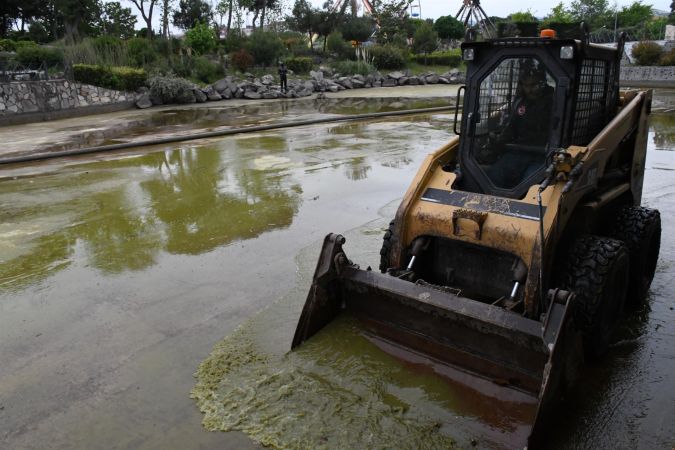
(520, 242)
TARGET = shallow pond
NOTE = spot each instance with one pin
(119, 273)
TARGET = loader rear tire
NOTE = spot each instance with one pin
(386, 248)
(597, 272)
(640, 229)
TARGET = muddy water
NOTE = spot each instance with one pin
(118, 275)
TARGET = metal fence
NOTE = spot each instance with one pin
(11, 70)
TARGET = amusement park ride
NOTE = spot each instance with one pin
(471, 13)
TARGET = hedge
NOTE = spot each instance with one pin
(33, 56)
(118, 78)
(299, 64)
(7, 45)
(452, 59)
(388, 57)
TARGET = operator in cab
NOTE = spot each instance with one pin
(516, 144)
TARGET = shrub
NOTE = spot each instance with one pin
(141, 51)
(92, 74)
(295, 43)
(265, 47)
(668, 59)
(7, 45)
(451, 58)
(118, 78)
(169, 88)
(107, 44)
(353, 67)
(128, 78)
(337, 46)
(201, 38)
(233, 42)
(647, 53)
(241, 60)
(23, 44)
(205, 71)
(387, 57)
(300, 64)
(33, 56)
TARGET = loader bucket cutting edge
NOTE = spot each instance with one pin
(488, 348)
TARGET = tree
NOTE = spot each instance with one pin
(425, 40)
(448, 27)
(357, 29)
(116, 21)
(226, 6)
(192, 12)
(635, 14)
(559, 14)
(304, 19)
(73, 14)
(166, 11)
(146, 14)
(201, 38)
(596, 13)
(522, 17)
(392, 22)
(326, 23)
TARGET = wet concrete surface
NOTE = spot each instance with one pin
(118, 274)
(135, 125)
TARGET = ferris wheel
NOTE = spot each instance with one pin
(415, 9)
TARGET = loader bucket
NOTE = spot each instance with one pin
(520, 362)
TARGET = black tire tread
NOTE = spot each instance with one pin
(633, 225)
(588, 266)
(386, 248)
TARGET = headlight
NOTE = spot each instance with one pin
(567, 52)
(468, 54)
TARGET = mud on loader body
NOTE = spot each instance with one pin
(512, 252)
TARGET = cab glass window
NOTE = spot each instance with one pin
(512, 125)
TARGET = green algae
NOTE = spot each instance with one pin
(335, 391)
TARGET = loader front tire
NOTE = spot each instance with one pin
(640, 229)
(597, 272)
(385, 251)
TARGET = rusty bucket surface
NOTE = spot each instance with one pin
(518, 361)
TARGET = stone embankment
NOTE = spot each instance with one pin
(267, 87)
(50, 99)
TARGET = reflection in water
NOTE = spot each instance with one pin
(663, 128)
(185, 201)
(207, 118)
(357, 168)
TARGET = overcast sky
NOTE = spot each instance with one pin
(432, 8)
(436, 8)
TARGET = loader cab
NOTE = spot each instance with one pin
(524, 99)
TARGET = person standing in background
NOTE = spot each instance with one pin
(282, 77)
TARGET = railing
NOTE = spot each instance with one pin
(11, 70)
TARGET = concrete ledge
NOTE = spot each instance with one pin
(648, 76)
(19, 119)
